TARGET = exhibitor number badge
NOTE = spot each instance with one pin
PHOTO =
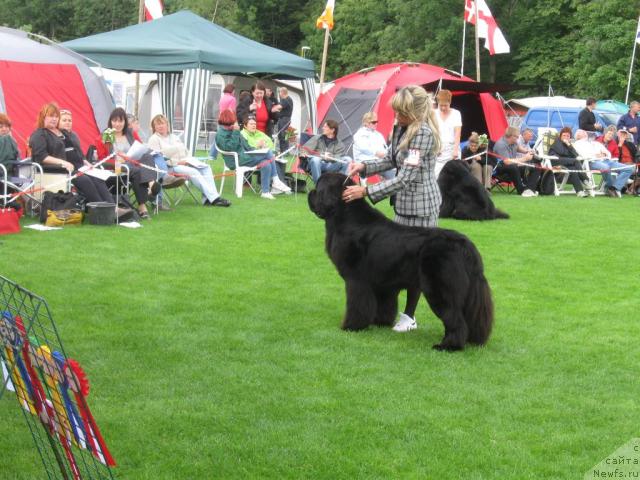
(413, 159)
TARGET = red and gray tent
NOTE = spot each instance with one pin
(371, 90)
(34, 73)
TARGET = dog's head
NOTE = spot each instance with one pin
(326, 198)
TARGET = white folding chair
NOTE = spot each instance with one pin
(240, 171)
(546, 137)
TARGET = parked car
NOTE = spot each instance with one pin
(559, 117)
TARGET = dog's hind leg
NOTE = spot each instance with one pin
(413, 297)
(455, 329)
(445, 284)
(387, 308)
(361, 306)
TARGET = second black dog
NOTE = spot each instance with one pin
(463, 196)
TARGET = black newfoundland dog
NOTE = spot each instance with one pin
(378, 258)
(463, 196)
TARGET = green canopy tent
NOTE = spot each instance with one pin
(185, 44)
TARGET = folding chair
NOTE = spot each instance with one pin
(299, 167)
(241, 172)
(546, 137)
(22, 182)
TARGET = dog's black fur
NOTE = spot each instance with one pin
(463, 196)
(378, 258)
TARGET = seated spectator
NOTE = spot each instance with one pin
(626, 149)
(134, 125)
(369, 144)
(473, 154)
(609, 141)
(8, 147)
(600, 159)
(259, 140)
(57, 151)
(507, 164)
(177, 156)
(524, 142)
(142, 173)
(568, 158)
(259, 106)
(98, 190)
(325, 152)
(229, 139)
(228, 99)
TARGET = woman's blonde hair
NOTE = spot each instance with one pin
(156, 120)
(413, 103)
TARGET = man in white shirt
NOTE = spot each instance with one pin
(600, 159)
(369, 144)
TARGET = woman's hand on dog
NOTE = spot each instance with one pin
(354, 192)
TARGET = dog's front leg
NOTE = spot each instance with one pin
(361, 306)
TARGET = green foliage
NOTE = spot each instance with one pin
(211, 341)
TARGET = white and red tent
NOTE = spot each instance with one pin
(34, 73)
(352, 96)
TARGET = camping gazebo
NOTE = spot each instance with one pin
(185, 44)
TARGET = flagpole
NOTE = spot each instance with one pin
(475, 6)
(137, 92)
(324, 56)
(633, 56)
(464, 36)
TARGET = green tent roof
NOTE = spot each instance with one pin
(184, 40)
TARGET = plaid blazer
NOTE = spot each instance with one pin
(415, 187)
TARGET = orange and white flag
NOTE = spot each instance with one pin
(326, 19)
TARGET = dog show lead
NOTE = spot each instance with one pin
(414, 192)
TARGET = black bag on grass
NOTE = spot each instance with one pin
(60, 201)
(547, 185)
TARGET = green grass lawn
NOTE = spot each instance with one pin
(212, 344)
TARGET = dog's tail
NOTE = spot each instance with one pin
(478, 307)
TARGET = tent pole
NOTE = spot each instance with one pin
(633, 56)
(464, 35)
(477, 43)
(324, 57)
(137, 93)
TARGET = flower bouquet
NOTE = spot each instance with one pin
(483, 140)
(290, 134)
(109, 136)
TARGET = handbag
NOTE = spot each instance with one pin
(60, 218)
(10, 220)
(60, 201)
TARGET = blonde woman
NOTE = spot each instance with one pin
(415, 194)
(178, 159)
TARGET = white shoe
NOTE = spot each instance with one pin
(280, 185)
(405, 323)
(529, 193)
(582, 194)
(268, 196)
